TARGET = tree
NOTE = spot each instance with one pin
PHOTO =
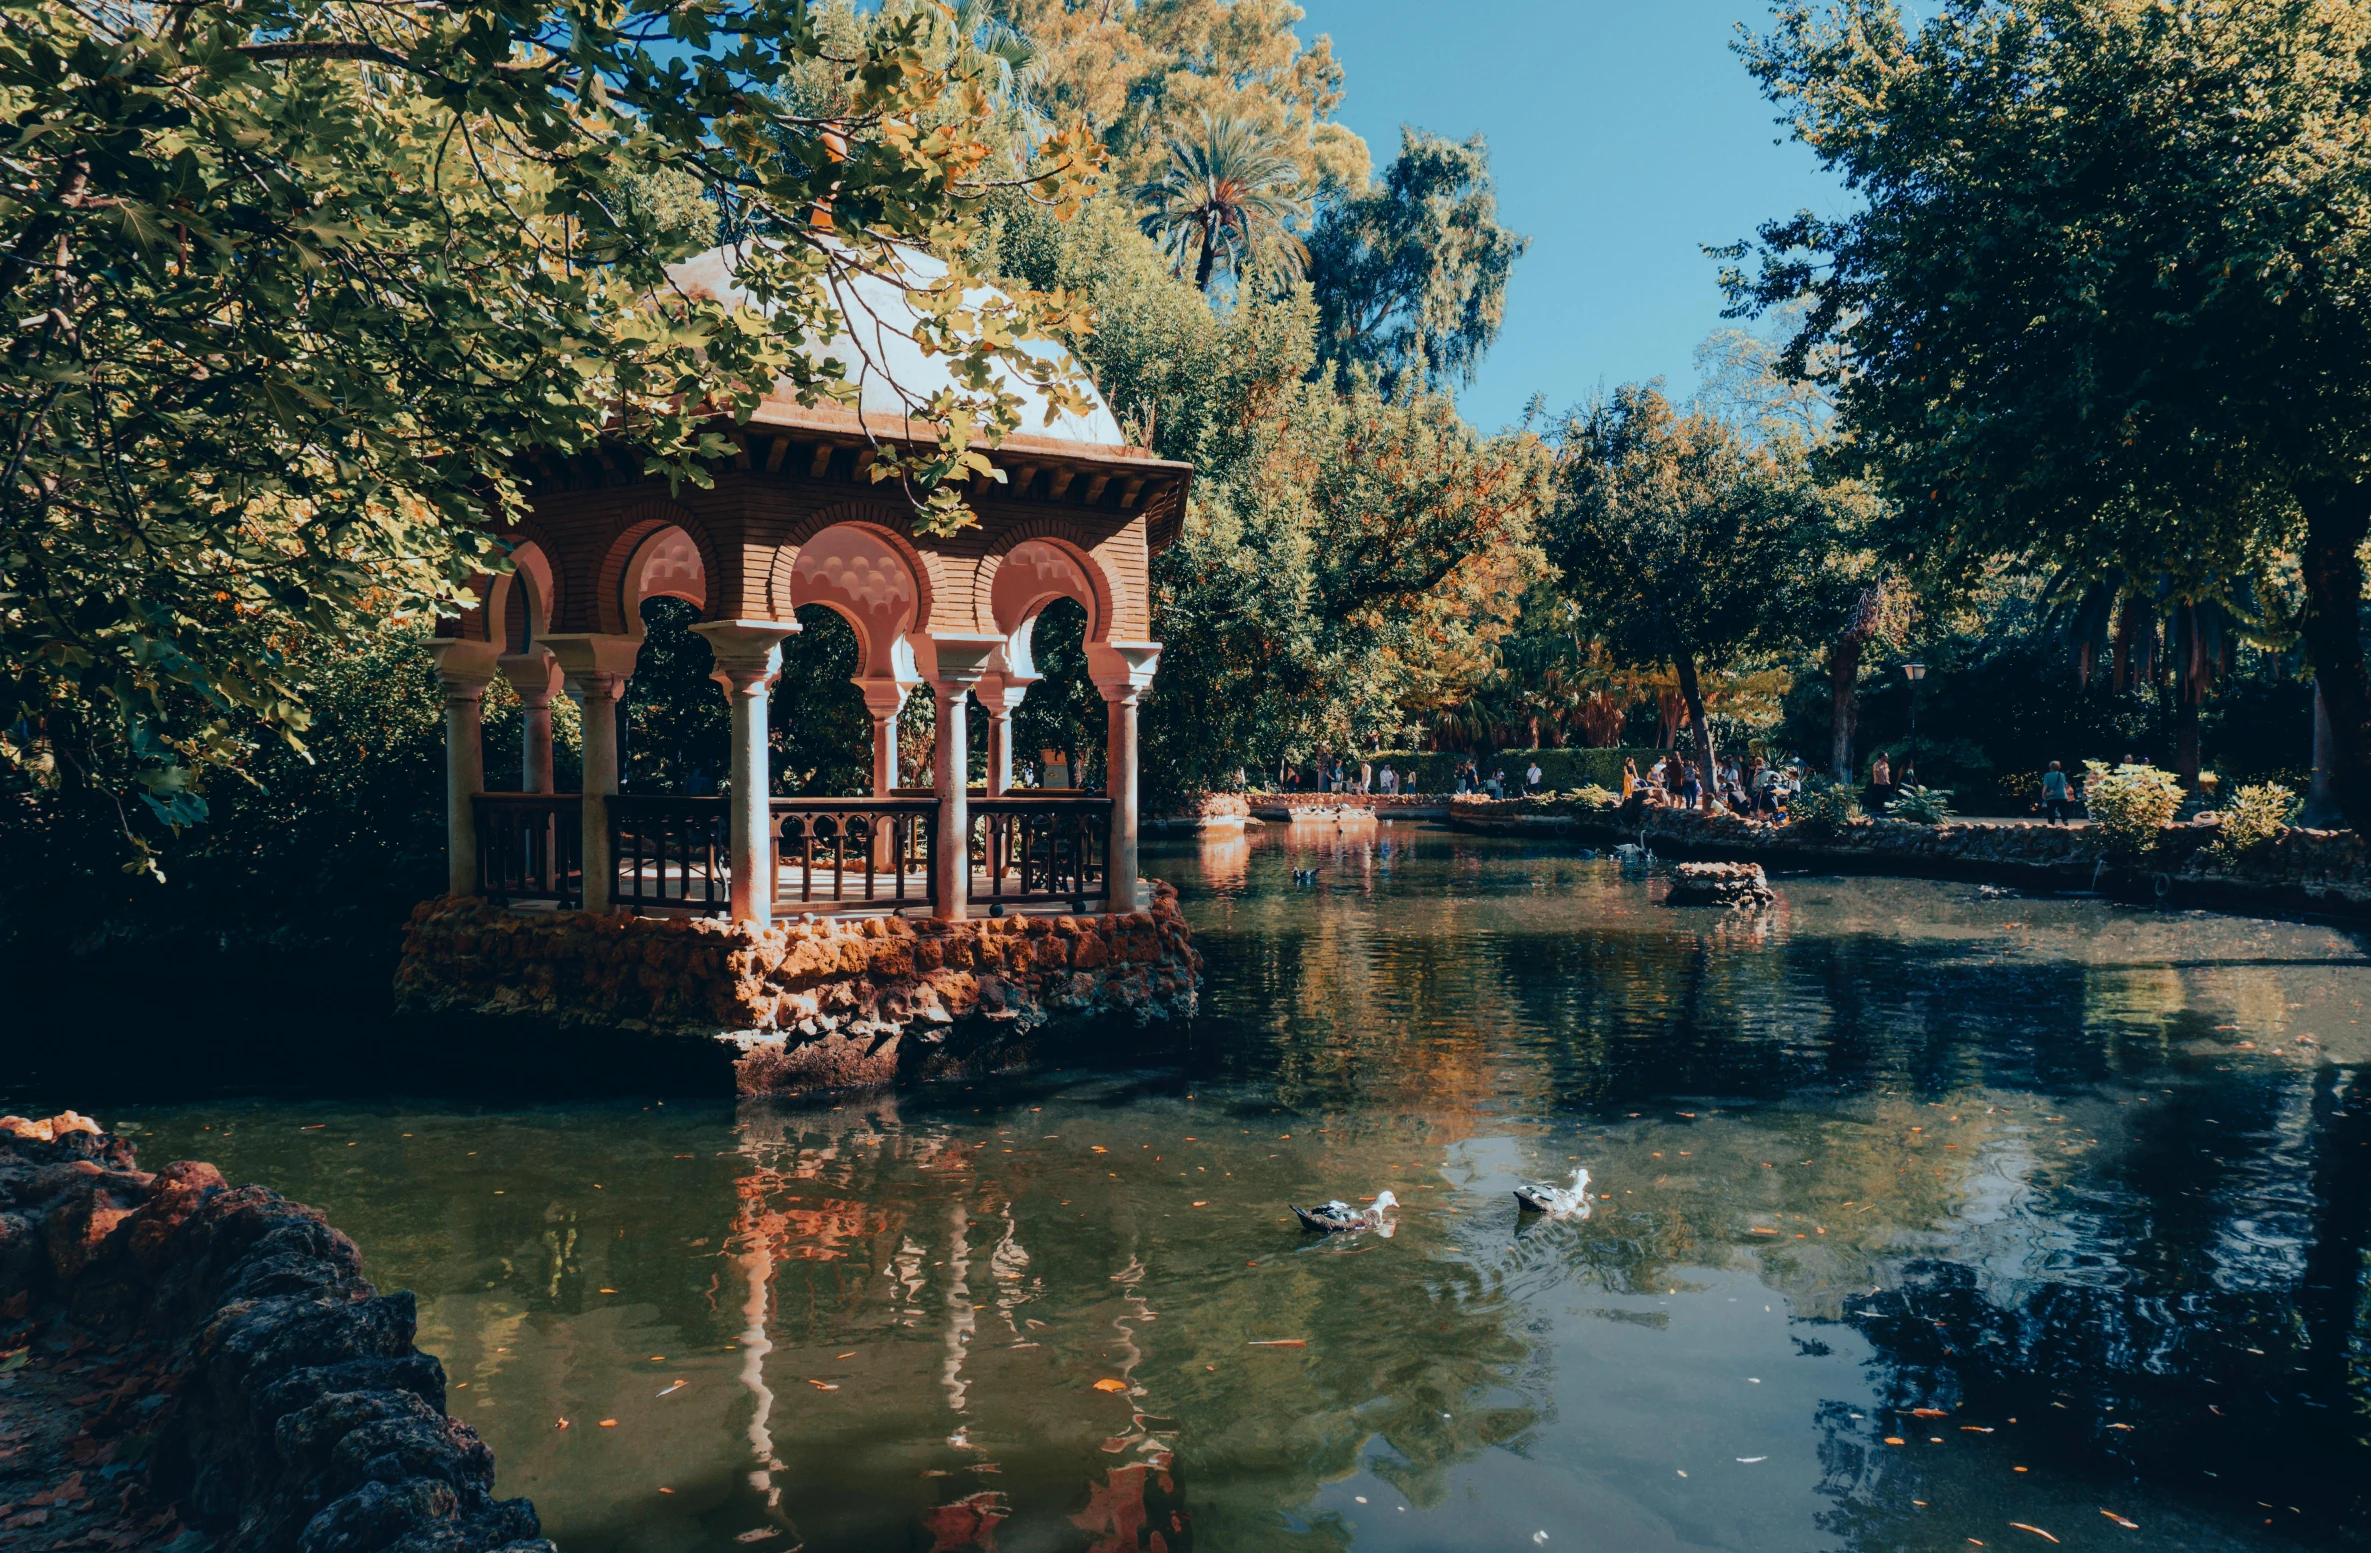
(1142, 71)
(1684, 542)
(2107, 301)
(1411, 275)
(1228, 193)
(294, 287)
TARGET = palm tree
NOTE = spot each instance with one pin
(1228, 191)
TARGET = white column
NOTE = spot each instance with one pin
(748, 660)
(535, 675)
(465, 669)
(883, 700)
(958, 663)
(597, 667)
(1123, 671)
(1001, 694)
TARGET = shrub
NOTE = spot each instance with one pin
(1594, 797)
(1925, 805)
(1825, 807)
(2254, 817)
(2132, 804)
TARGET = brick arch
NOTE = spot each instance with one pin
(1008, 611)
(610, 610)
(855, 571)
(530, 581)
(891, 525)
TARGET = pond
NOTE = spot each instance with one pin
(1927, 1218)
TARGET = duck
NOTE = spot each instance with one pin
(1304, 876)
(1337, 1217)
(1556, 1201)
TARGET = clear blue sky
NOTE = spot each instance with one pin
(1623, 134)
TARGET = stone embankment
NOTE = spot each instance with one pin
(805, 1004)
(180, 1355)
(2298, 871)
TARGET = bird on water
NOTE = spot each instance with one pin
(1557, 1201)
(1336, 1217)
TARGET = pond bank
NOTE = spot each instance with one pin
(2299, 872)
(183, 1355)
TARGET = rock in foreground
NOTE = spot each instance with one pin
(1738, 886)
(189, 1354)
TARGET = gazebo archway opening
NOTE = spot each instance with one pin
(818, 729)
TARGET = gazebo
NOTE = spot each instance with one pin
(792, 520)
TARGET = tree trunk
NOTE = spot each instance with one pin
(2190, 686)
(2321, 804)
(2336, 520)
(1209, 259)
(1695, 699)
(1844, 703)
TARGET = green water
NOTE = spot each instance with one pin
(2093, 1184)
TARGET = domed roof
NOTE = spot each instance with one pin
(891, 372)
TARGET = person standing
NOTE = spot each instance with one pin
(1366, 777)
(1881, 781)
(2054, 802)
(1629, 776)
(1531, 778)
(1691, 789)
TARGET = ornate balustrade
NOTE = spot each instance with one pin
(530, 847)
(1040, 849)
(671, 852)
(854, 849)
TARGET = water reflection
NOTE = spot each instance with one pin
(2017, 1184)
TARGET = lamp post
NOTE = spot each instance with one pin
(1914, 672)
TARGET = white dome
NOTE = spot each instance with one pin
(891, 371)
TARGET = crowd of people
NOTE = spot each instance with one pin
(1752, 787)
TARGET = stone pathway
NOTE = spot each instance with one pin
(75, 1419)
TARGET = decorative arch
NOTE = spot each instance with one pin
(518, 607)
(861, 573)
(885, 523)
(1028, 570)
(662, 550)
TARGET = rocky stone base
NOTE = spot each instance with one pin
(265, 1395)
(1736, 886)
(809, 1004)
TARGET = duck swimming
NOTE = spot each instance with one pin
(1336, 1217)
(1557, 1201)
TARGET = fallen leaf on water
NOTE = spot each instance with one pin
(2119, 1520)
(1277, 1342)
(1893, 1439)
(1759, 1231)
(1201, 1205)
(1108, 1384)
(609, 1423)
(671, 1390)
(1928, 1412)
(562, 1424)
(850, 1354)
(1098, 1148)
(609, 1291)
(666, 1490)
(2036, 1530)
(2120, 1426)
(757, 1534)
(822, 1385)
(1973, 1429)
(1750, 1460)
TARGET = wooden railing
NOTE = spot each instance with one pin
(1040, 849)
(530, 847)
(671, 852)
(843, 849)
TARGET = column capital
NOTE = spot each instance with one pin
(1002, 691)
(748, 652)
(884, 697)
(1123, 670)
(581, 653)
(463, 664)
(534, 674)
(959, 660)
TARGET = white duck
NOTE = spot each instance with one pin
(1557, 1201)
(1336, 1217)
